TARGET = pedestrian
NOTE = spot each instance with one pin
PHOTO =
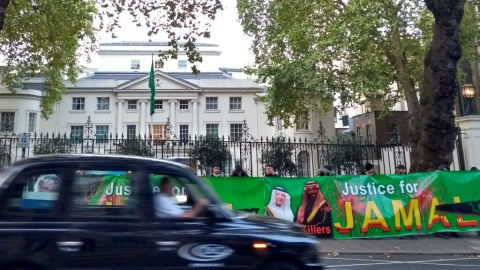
(400, 169)
(270, 171)
(239, 172)
(443, 167)
(326, 171)
(216, 171)
(369, 169)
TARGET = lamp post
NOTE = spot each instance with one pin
(468, 92)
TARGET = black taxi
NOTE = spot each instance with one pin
(98, 212)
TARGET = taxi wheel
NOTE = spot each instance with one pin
(281, 266)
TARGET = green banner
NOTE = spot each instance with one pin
(346, 207)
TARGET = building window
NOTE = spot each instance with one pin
(7, 121)
(132, 105)
(393, 133)
(279, 124)
(101, 134)
(184, 104)
(303, 164)
(159, 132)
(235, 132)
(369, 134)
(135, 64)
(103, 104)
(131, 131)
(78, 104)
(158, 105)
(359, 133)
(302, 122)
(211, 103)
(212, 130)
(235, 103)
(182, 64)
(32, 122)
(184, 132)
(158, 64)
(76, 133)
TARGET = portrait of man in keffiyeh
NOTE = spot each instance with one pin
(315, 210)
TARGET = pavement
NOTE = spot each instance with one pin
(467, 243)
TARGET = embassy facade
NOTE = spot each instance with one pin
(116, 97)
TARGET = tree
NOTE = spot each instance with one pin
(49, 38)
(279, 152)
(208, 151)
(57, 145)
(346, 154)
(310, 52)
(135, 147)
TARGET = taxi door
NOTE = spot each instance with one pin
(201, 241)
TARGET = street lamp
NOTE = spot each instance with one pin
(468, 92)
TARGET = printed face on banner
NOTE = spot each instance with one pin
(280, 197)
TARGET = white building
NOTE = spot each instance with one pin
(117, 98)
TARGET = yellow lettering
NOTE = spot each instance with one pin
(399, 209)
(349, 218)
(370, 222)
(460, 221)
(436, 218)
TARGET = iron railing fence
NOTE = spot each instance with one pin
(290, 156)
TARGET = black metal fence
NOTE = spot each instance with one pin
(290, 156)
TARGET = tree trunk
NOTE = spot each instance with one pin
(436, 129)
(3, 12)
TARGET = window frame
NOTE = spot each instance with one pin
(135, 64)
(185, 104)
(183, 136)
(302, 122)
(158, 104)
(103, 103)
(182, 64)
(74, 137)
(235, 103)
(304, 168)
(210, 126)
(132, 104)
(32, 125)
(4, 118)
(211, 104)
(158, 64)
(104, 138)
(238, 134)
(78, 103)
(129, 134)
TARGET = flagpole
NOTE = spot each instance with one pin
(151, 114)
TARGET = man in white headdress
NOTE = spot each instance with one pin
(49, 183)
(279, 205)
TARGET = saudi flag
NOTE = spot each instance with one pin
(151, 85)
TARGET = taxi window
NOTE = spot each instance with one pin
(102, 194)
(35, 192)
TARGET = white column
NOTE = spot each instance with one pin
(172, 115)
(195, 118)
(120, 117)
(143, 121)
(470, 128)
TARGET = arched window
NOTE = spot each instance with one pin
(303, 164)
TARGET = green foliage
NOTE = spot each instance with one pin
(279, 153)
(310, 52)
(135, 147)
(50, 38)
(208, 151)
(54, 146)
(346, 154)
(4, 154)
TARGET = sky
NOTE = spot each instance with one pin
(226, 31)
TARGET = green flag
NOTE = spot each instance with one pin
(151, 85)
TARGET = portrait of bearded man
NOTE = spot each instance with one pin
(279, 205)
(315, 211)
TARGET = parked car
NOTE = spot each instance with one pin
(96, 212)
